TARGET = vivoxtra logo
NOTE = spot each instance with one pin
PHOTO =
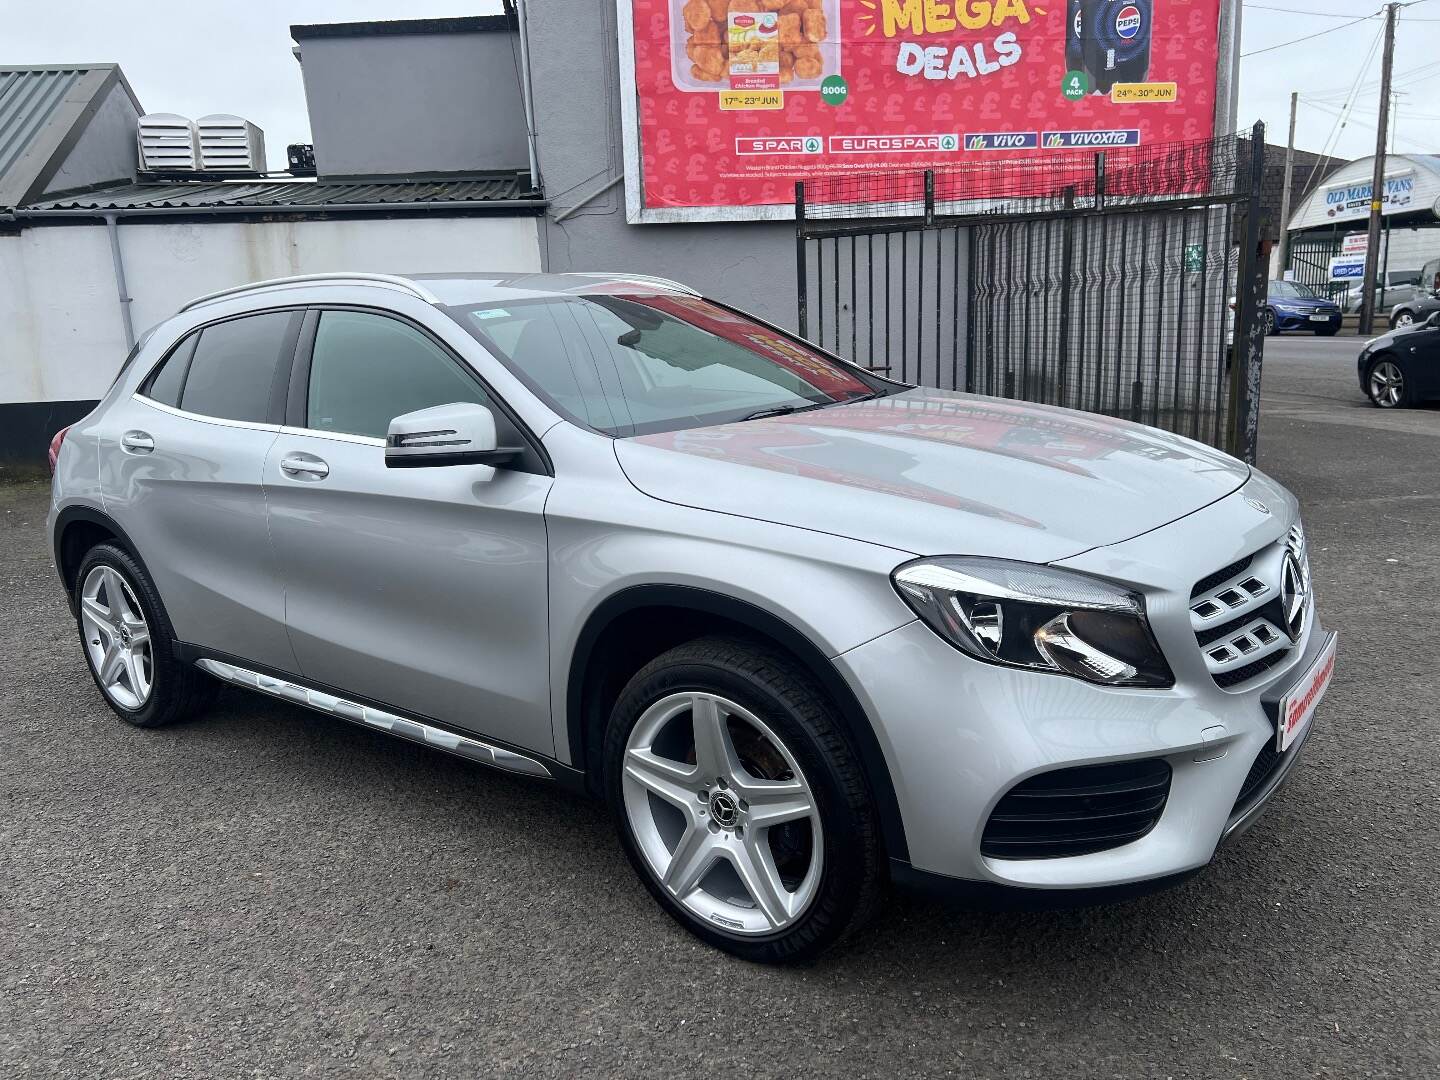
(1069, 140)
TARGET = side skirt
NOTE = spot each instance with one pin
(464, 746)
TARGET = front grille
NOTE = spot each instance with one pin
(1238, 612)
(1078, 810)
(1261, 769)
(1220, 577)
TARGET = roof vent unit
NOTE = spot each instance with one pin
(230, 144)
(168, 143)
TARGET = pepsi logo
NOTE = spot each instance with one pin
(1127, 21)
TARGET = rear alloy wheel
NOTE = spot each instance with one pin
(1386, 384)
(129, 644)
(117, 638)
(740, 803)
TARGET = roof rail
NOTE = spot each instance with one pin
(641, 279)
(390, 281)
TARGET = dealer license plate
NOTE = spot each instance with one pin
(1298, 707)
(1319, 318)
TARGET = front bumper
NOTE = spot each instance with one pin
(1300, 320)
(958, 734)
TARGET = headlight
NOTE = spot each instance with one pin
(1036, 617)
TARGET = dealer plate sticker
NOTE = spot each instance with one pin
(1298, 706)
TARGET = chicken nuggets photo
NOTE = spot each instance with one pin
(726, 41)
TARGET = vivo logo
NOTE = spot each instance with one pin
(1002, 140)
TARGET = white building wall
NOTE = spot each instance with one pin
(61, 335)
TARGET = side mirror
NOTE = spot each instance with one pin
(462, 433)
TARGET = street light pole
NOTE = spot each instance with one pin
(1377, 182)
(1284, 257)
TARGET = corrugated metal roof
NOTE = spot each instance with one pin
(28, 99)
(272, 194)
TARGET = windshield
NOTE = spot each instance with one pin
(634, 365)
(1292, 289)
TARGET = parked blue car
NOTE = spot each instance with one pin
(1292, 306)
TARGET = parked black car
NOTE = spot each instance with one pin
(1290, 305)
(1402, 368)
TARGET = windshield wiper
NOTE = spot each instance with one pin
(785, 410)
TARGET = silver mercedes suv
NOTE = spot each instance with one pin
(806, 629)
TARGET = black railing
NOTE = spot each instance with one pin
(1108, 282)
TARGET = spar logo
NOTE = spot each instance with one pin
(1071, 140)
(790, 144)
(1002, 140)
(1127, 22)
(944, 142)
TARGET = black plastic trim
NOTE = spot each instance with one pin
(586, 730)
(993, 896)
(499, 456)
(69, 516)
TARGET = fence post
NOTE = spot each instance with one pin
(1248, 349)
(1099, 179)
(1067, 268)
(802, 277)
(929, 196)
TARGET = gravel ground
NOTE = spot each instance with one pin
(270, 892)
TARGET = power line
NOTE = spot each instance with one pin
(1309, 37)
(1297, 11)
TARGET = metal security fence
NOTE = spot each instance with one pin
(1109, 282)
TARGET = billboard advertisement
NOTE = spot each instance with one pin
(728, 102)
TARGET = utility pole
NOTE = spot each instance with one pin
(1377, 182)
(1284, 256)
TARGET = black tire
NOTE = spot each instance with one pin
(1268, 321)
(178, 690)
(1395, 318)
(1403, 401)
(777, 691)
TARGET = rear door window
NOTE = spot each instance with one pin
(232, 374)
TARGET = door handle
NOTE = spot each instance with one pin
(303, 465)
(138, 442)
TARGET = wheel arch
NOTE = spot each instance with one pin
(77, 530)
(688, 612)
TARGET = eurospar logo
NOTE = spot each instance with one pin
(1072, 140)
(1127, 22)
(792, 144)
(944, 143)
(1002, 140)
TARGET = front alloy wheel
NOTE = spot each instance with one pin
(722, 813)
(1387, 385)
(740, 802)
(1403, 318)
(1268, 323)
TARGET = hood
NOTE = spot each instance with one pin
(1304, 303)
(934, 472)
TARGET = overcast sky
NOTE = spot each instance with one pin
(197, 58)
